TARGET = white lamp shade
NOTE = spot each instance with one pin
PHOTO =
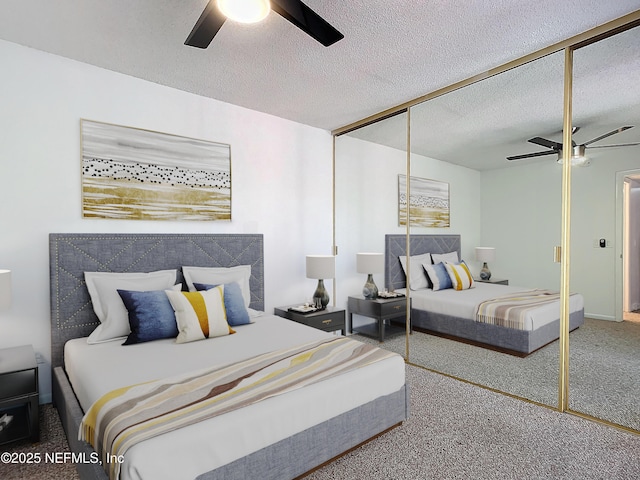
(5, 288)
(370, 262)
(321, 266)
(485, 254)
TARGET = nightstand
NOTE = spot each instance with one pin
(330, 319)
(496, 281)
(19, 394)
(382, 309)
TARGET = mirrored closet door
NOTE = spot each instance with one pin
(604, 358)
(368, 161)
(505, 212)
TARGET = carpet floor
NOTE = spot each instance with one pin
(604, 366)
(455, 431)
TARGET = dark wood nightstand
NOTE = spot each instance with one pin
(382, 309)
(19, 394)
(330, 319)
(496, 281)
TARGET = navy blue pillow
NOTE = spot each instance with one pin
(151, 316)
(237, 313)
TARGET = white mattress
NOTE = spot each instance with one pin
(463, 303)
(94, 370)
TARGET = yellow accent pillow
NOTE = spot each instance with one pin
(200, 315)
(460, 276)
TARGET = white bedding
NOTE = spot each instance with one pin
(463, 303)
(94, 370)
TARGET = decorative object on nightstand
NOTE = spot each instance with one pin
(5, 289)
(485, 255)
(370, 263)
(19, 395)
(321, 267)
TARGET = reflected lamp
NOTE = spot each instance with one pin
(5, 289)
(485, 255)
(370, 263)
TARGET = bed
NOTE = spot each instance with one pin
(450, 313)
(282, 436)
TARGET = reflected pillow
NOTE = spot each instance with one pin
(151, 316)
(438, 275)
(199, 315)
(450, 257)
(219, 276)
(460, 276)
(237, 313)
(418, 278)
(107, 304)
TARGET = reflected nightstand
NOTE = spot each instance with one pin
(383, 310)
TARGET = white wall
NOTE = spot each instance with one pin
(521, 217)
(281, 170)
(367, 204)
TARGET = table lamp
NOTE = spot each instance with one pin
(370, 263)
(5, 289)
(485, 255)
(321, 267)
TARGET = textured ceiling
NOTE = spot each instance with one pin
(393, 50)
(478, 126)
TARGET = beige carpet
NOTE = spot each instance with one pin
(455, 431)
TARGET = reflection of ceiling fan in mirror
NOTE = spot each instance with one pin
(578, 157)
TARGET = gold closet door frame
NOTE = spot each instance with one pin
(569, 45)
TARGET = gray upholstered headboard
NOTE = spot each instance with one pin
(396, 246)
(71, 254)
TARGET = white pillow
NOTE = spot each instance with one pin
(451, 257)
(103, 289)
(200, 315)
(460, 276)
(418, 276)
(219, 276)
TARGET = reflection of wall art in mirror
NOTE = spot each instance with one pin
(134, 174)
(428, 202)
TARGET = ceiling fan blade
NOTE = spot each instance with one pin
(206, 27)
(531, 155)
(617, 145)
(307, 20)
(608, 134)
(546, 143)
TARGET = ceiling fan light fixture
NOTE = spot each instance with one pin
(245, 11)
(578, 157)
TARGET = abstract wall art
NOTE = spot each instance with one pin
(428, 202)
(135, 174)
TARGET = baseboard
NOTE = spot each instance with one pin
(600, 317)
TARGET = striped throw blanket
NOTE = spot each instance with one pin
(511, 310)
(129, 415)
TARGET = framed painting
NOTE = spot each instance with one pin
(428, 203)
(134, 174)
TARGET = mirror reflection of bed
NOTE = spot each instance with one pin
(447, 301)
(464, 137)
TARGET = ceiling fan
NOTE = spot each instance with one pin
(577, 151)
(296, 12)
